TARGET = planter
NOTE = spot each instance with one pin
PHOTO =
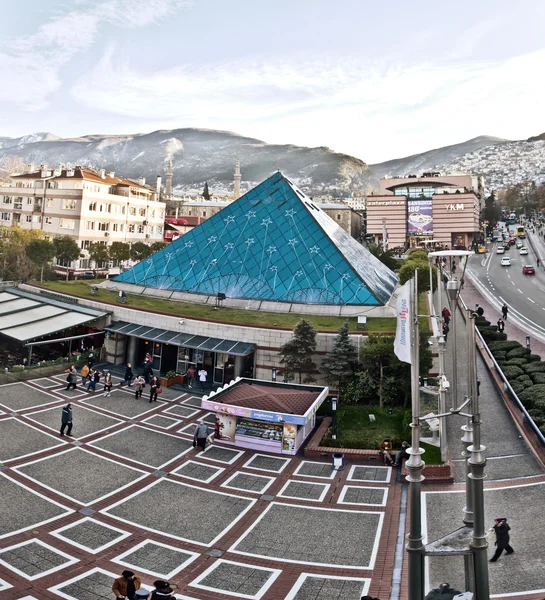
(180, 379)
(168, 382)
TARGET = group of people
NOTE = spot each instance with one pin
(129, 587)
(386, 450)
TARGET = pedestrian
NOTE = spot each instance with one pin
(445, 280)
(163, 589)
(148, 371)
(84, 372)
(501, 529)
(203, 374)
(501, 325)
(453, 268)
(385, 450)
(66, 420)
(94, 378)
(72, 378)
(191, 372)
(126, 585)
(401, 454)
(504, 311)
(108, 383)
(445, 331)
(139, 384)
(202, 431)
(91, 360)
(445, 313)
(129, 375)
(480, 311)
(153, 391)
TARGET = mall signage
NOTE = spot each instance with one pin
(454, 206)
(259, 415)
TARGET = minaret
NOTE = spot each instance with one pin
(236, 187)
(168, 179)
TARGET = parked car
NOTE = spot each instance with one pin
(528, 270)
(505, 261)
(523, 251)
(500, 250)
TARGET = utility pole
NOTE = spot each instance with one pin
(452, 295)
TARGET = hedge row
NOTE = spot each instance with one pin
(524, 371)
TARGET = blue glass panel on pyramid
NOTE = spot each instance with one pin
(273, 244)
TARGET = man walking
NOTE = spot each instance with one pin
(501, 529)
(72, 378)
(129, 376)
(148, 371)
(203, 374)
(504, 311)
(66, 420)
(126, 586)
(446, 329)
(501, 325)
(201, 433)
(84, 372)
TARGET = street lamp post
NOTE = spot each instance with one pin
(452, 295)
(273, 374)
(334, 408)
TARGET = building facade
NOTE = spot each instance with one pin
(410, 210)
(87, 205)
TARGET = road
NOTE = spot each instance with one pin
(523, 294)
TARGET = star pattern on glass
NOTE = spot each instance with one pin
(193, 262)
(271, 249)
(212, 239)
(169, 255)
(314, 250)
(345, 276)
(266, 222)
(188, 244)
(274, 268)
(150, 261)
(328, 267)
(229, 219)
(213, 261)
(250, 214)
(291, 212)
(229, 246)
(249, 241)
(293, 242)
(298, 273)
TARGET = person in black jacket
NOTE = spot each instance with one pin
(153, 391)
(66, 420)
(129, 376)
(501, 529)
(148, 371)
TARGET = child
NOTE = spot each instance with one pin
(138, 386)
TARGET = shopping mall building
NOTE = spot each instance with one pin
(410, 210)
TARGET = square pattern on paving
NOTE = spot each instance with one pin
(91, 535)
(93, 585)
(145, 446)
(79, 392)
(236, 579)
(34, 559)
(188, 429)
(319, 587)
(202, 516)
(85, 421)
(18, 439)
(315, 469)
(364, 496)
(362, 473)
(156, 559)
(123, 403)
(302, 490)
(162, 421)
(220, 454)
(262, 462)
(183, 412)
(248, 482)
(45, 382)
(81, 475)
(18, 396)
(192, 401)
(198, 471)
(289, 533)
(22, 509)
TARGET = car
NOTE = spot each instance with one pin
(505, 261)
(482, 250)
(512, 241)
(523, 251)
(507, 246)
(528, 270)
(500, 250)
(518, 245)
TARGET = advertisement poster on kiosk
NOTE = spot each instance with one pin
(289, 437)
(225, 426)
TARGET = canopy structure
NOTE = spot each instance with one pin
(25, 317)
(186, 340)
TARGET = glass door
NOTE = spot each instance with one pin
(221, 359)
(156, 357)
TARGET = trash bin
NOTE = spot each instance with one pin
(337, 462)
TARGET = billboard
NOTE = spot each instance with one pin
(419, 217)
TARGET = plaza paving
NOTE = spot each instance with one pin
(129, 491)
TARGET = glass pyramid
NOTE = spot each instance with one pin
(273, 244)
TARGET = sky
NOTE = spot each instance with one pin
(377, 80)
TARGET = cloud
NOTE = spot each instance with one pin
(346, 104)
(33, 63)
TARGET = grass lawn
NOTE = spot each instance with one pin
(226, 315)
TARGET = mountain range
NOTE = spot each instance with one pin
(200, 155)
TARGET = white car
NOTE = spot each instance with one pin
(505, 261)
(523, 251)
(500, 250)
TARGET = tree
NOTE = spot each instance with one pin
(491, 212)
(376, 355)
(119, 251)
(408, 269)
(296, 354)
(40, 252)
(98, 253)
(66, 249)
(10, 165)
(338, 364)
(15, 263)
(205, 193)
(139, 251)
(156, 246)
(386, 257)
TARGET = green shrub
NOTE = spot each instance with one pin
(518, 353)
(505, 346)
(499, 355)
(538, 416)
(517, 361)
(490, 335)
(534, 367)
(525, 380)
(512, 372)
(531, 396)
(538, 377)
(534, 358)
(482, 322)
(518, 387)
(418, 254)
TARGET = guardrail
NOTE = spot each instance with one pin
(59, 297)
(4, 285)
(507, 385)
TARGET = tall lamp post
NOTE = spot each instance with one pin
(334, 408)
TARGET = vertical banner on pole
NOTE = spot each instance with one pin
(404, 312)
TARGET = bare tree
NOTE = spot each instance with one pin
(10, 165)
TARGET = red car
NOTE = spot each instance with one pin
(512, 241)
(528, 270)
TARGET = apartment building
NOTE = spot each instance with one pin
(87, 205)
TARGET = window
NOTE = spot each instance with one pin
(67, 223)
(153, 214)
(162, 214)
(132, 211)
(131, 228)
(92, 205)
(49, 221)
(122, 210)
(6, 216)
(37, 219)
(18, 203)
(338, 217)
(53, 185)
(29, 201)
(142, 212)
(140, 229)
(103, 226)
(50, 203)
(89, 225)
(28, 218)
(158, 229)
(68, 204)
(7, 200)
(117, 227)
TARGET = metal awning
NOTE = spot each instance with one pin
(185, 340)
(25, 316)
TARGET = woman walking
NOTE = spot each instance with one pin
(108, 383)
(139, 384)
(153, 391)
